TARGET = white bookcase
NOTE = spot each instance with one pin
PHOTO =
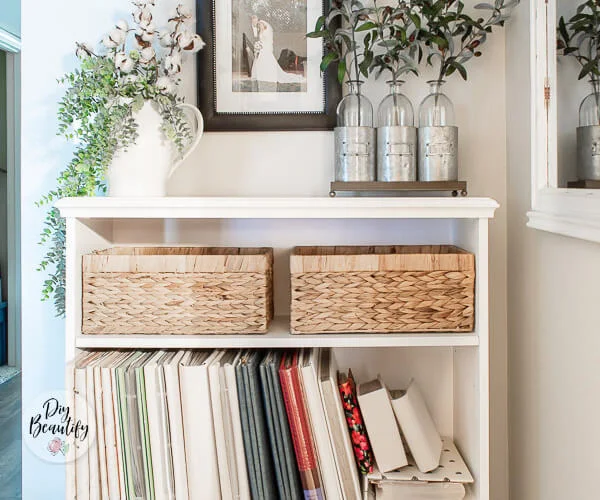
(452, 369)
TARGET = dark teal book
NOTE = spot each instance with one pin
(244, 417)
(265, 473)
(257, 477)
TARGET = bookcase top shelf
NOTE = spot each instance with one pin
(278, 208)
(278, 337)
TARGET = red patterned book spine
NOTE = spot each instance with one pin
(298, 419)
(363, 453)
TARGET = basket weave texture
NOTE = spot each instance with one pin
(391, 289)
(177, 291)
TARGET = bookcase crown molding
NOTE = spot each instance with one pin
(278, 208)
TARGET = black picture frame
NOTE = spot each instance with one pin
(243, 122)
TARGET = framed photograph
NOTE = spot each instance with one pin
(258, 70)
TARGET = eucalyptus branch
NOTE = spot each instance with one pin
(133, 65)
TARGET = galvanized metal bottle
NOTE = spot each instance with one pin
(588, 136)
(438, 137)
(354, 137)
(396, 137)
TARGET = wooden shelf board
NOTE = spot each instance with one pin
(278, 208)
(278, 337)
(459, 187)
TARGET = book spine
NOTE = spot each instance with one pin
(303, 443)
(100, 433)
(172, 385)
(238, 440)
(112, 464)
(93, 451)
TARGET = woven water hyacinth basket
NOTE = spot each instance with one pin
(177, 291)
(384, 289)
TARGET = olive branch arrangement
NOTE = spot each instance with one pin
(134, 64)
(397, 38)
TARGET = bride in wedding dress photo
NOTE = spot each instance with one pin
(265, 67)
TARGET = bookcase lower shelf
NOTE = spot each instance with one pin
(279, 336)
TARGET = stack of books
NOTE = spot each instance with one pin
(413, 460)
(235, 424)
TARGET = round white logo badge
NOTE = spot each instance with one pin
(58, 429)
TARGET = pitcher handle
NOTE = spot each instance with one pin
(192, 145)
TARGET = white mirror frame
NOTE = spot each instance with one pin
(570, 212)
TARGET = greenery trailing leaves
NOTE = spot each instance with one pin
(97, 113)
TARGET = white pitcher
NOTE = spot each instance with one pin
(146, 166)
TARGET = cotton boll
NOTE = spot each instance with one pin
(189, 41)
(147, 25)
(83, 50)
(164, 38)
(108, 42)
(175, 58)
(140, 43)
(146, 55)
(118, 36)
(183, 11)
(137, 15)
(173, 63)
(198, 44)
(123, 62)
(122, 25)
(147, 34)
(166, 84)
(184, 39)
(142, 16)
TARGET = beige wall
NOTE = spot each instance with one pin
(554, 335)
